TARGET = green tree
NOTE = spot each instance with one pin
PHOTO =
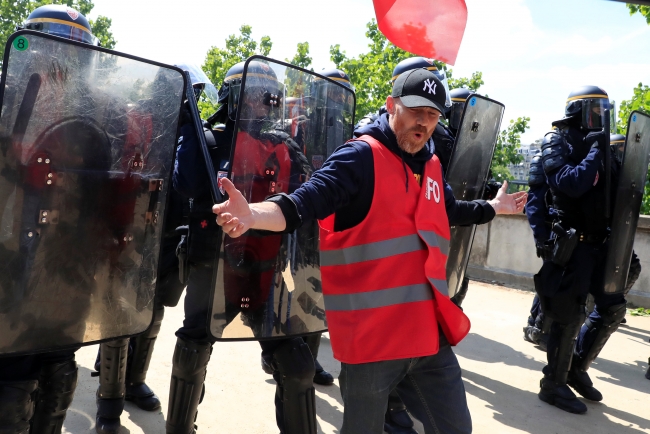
(643, 10)
(505, 152)
(640, 101)
(238, 48)
(371, 72)
(302, 57)
(14, 12)
(219, 60)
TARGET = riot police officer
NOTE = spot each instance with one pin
(540, 216)
(37, 390)
(122, 381)
(326, 134)
(540, 221)
(573, 160)
(290, 358)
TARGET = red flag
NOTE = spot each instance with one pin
(429, 28)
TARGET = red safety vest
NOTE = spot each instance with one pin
(384, 280)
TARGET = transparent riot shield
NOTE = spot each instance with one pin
(627, 205)
(268, 285)
(87, 138)
(467, 174)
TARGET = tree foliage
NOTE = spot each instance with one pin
(14, 12)
(238, 48)
(302, 57)
(505, 152)
(372, 71)
(643, 10)
(640, 101)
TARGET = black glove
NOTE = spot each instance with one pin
(544, 249)
(597, 139)
(491, 190)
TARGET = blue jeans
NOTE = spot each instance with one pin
(431, 387)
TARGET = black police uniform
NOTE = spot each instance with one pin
(573, 170)
(125, 362)
(291, 359)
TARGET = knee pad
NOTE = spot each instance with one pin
(295, 368)
(294, 360)
(112, 372)
(16, 405)
(189, 368)
(57, 383)
(598, 333)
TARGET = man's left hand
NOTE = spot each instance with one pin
(506, 203)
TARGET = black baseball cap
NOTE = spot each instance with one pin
(420, 88)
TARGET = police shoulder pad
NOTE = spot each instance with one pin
(536, 174)
(554, 152)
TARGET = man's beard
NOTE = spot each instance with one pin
(407, 144)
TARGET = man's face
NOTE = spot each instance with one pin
(412, 126)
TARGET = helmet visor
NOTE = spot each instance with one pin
(261, 99)
(456, 113)
(593, 113)
(64, 30)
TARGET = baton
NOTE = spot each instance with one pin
(198, 127)
(608, 166)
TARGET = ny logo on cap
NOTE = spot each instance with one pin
(430, 85)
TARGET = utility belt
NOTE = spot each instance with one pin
(566, 240)
(593, 238)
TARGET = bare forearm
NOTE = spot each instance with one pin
(267, 216)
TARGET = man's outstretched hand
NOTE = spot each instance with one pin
(236, 216)
(505, 203)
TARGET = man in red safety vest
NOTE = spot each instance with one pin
(385, 212)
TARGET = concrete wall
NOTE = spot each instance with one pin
(504, 252)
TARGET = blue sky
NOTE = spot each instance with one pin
(531, 52)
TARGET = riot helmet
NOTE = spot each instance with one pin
(422, 62)
(262, 90)
(587, 104)
(458, 98)
(200, 83)
(63, 21)
(327, 94)
(617, 143)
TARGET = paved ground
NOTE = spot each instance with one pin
(500, 369)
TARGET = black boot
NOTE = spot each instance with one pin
(137, 390)
(600, 332)
(16, 406)
(397, 419)
(321, 376)
(566, 323)
(111, 391)
(560, 396)
(56, 385)
(647, 373)
(189, 367)
(582, 384)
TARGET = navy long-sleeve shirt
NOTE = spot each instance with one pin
(345, 185)
(573, 179)
(537, 212)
